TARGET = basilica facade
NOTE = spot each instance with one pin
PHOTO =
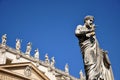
(18, 65)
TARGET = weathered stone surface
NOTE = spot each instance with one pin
(96, 63)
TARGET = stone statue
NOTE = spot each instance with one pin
(36, 55)
(47, 61)
(96, 63)
(67, 68)
(4, 39)
(28, 49)
(52, 61)
(18, 44)
(81, 75)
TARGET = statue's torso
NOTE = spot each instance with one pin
(84, 37)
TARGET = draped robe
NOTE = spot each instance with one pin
(96, 62)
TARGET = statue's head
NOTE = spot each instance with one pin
(88, 20)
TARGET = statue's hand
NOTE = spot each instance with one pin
(90, 33)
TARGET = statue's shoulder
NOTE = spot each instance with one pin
(79, 26)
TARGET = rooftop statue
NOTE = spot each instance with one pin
(52, 61)
(67, 68)
(4, 39)
(28, 49)
(81, 75)
(96, 63)
(47, 61)
(18, 44)
(36, 55)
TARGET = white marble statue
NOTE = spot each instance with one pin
(52, 61)
(18, 44)
(36, 55)
(96, 62)
(81, 75)
(4, 39)
(67, 68)
(47, 61)
(28, 48)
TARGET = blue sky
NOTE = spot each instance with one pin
(50, 25)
